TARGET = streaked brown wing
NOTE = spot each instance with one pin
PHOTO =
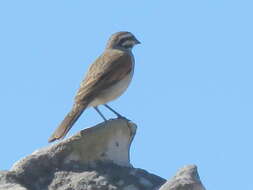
(108, 69)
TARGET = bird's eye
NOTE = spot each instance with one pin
(124, 40)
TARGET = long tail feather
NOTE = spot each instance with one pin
(67, 123)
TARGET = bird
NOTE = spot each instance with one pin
(106, 79)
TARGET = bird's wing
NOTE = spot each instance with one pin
(108, 69)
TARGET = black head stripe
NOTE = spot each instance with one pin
(128, 46)
(121, 41)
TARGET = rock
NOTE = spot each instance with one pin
(103, 176)
(7, 182)
(187, 178)
(10, 186)
(108, 141)
(96, 158)
(130, 187)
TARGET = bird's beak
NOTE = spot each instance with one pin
(137, 41)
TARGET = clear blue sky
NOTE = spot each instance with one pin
(191, 95)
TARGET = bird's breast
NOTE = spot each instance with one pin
(114, 91)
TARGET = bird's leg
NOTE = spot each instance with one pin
(99, 112)
(112, 110)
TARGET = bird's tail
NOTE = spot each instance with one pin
(68, 122)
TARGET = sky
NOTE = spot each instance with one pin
(191, 95)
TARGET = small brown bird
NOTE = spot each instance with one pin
(107, 78)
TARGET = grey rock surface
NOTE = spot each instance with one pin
(7, 182)
(108, 141)
(187, 178)
(76, 176)
(96, 158)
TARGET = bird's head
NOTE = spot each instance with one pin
(122, 40)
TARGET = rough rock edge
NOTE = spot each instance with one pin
(187, 178)
(93, 140)
(56, 167)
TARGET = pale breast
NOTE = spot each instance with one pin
(114, 91)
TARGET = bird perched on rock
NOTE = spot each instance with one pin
(107, 78)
